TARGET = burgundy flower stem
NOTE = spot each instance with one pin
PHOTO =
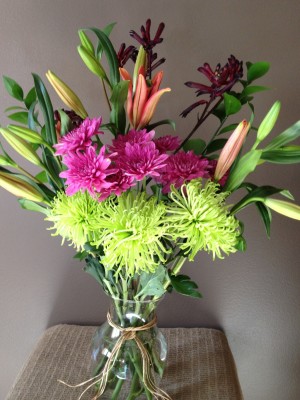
(200, 121)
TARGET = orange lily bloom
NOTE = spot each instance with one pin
(142, 102)
(231, 149)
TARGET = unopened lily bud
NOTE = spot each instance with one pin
(286, 208)
(19, 188)
(27, 134)
(268, 123)
(231, 149)
(67, 95)
(86, 42)
(21, 146)
(90, 61)
(141, 62)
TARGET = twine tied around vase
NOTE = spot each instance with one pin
(129, 333)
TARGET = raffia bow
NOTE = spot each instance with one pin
(129, 333)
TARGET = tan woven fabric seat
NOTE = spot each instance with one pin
(200, 365)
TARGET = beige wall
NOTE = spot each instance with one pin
(255, 296)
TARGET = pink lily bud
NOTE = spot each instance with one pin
(231, 149)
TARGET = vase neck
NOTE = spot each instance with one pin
(132, 313)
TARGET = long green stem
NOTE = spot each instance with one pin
(117, 389)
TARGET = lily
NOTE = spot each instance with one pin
(231, 149)
(142, 100)
(19, 187)
(286, 208)
(67, 95)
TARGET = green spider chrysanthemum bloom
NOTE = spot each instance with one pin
(72, 217)
(200, 220)
(130, 229)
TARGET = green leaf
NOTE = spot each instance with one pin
(32, 206)
(256, 194)
(284, 155)
(257, 70)
(241, 244)
(290, 134)
(215, 145)
(46, 108)
(107, 30)
(15, 108)
(65, 123)
(162, 122)
(266, 216)
(95, 269)
(118, 98)
(197, 145)
(184, 285)
(111, 55)
(242, 169)
(254, 89)
(21, 117)
(229, 128)
(232, 104)
(32, 117)
(30, 98)
(219, 112)
(13, 88)
(42, 177)
(152, 284)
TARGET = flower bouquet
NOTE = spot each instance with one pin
(136, 208)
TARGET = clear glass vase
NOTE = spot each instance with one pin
(125, 379)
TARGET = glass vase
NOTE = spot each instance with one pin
(120, 350)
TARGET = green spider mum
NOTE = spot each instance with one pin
(130, 229)
(72, 217)
(199, 218)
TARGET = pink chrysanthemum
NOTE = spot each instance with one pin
(183, 167)
(79, 138)
(119, 184)
(167, 143)
(87, 171)
(118, 144)
(140, 160)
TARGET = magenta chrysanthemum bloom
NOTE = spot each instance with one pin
(183, 167)
(167, 143)
(140, 160)
(119, 184)
(87, 170)
(133, 136)
(79, 138)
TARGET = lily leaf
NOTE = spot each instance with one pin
(242, 169)
(284, 155)
(290, 134)
(110, 55)
(118, 98)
